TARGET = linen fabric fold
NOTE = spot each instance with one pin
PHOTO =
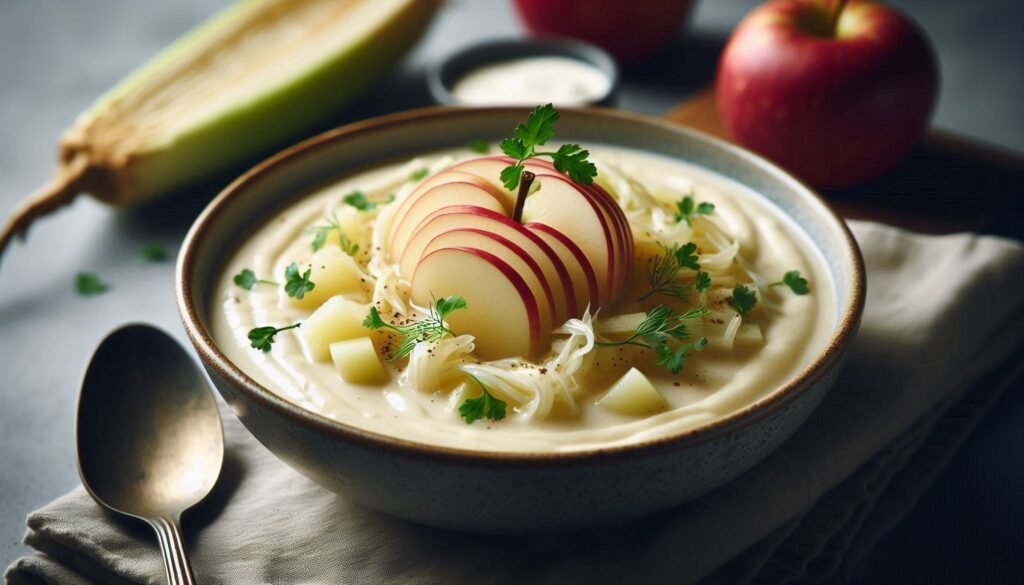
(942, 312)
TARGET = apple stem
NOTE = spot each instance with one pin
(840, 6)
(524, 189)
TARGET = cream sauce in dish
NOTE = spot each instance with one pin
(714, 383)
(533, 80)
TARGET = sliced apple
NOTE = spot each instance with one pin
(634, 395)
(501, 313)
(446, 176)
(358, 362)
(571, 211)
(489, 169)
(332, 272)
(443, 195)
(620, 224)
(516, 257)
(557, 275)
(580, 271)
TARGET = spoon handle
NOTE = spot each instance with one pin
(172, 546)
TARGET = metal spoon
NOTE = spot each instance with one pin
(150, 441)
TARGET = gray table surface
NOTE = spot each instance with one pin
(56, 57)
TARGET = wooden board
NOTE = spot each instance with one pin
(947, 184)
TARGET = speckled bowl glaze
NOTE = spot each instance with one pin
(539, 492)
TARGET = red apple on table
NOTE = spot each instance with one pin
(629, 30)
(836, 92)
(455, 235)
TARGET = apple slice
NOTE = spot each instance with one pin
(443, 195)
(516, 257)
(489, 169)
(622, 234)
(456, 217)
(501, 311)
(442, 177)
(562, 206)
(586, 291)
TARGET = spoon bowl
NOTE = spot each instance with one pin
(150, 441)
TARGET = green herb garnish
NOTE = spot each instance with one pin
(431, 328)
(664, 268)
(661, 331)
(153, 253)
(262, 338)
(485, 406)
(88, 284)
(321, 233)
(296, 285)
(743, 299)
(794, 281)
(358, 200)
(247, 279)
(418, 175)
(686, 209)
(479, 146)
(539, 128)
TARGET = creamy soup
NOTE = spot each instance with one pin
(557, 398)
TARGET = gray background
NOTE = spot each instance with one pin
(56, 57)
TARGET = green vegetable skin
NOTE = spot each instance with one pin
(200, 144)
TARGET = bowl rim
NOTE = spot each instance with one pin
(202, 339)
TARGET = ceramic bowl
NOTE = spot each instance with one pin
(538, 492)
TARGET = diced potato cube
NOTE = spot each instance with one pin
(634, 395)
(357, 361)
(333, 273)
(749, 334)
(353, 222)
(336, 320)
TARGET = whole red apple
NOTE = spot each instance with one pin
(629, 30)
(836, 92)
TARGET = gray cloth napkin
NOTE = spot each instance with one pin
(942, 312)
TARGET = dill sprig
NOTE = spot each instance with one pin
(663, 270)
(665, 332)
(430, 328)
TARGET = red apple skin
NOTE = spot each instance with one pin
(628, 30)
(834, 110)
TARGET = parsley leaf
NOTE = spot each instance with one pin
(485, 406)
(479, 146)
(262, 338)
(247, 279)
(321, 232)
(661, 331)
(687, 209)
(675, 360)
(572, 160)
(794, 281)
(743, 299)
(431, 328)
(663, 270)
(703, 282)
(539, 128)
(89, 284)
(418, 175)
(297, 285)
(358, 200)
(153, 253)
